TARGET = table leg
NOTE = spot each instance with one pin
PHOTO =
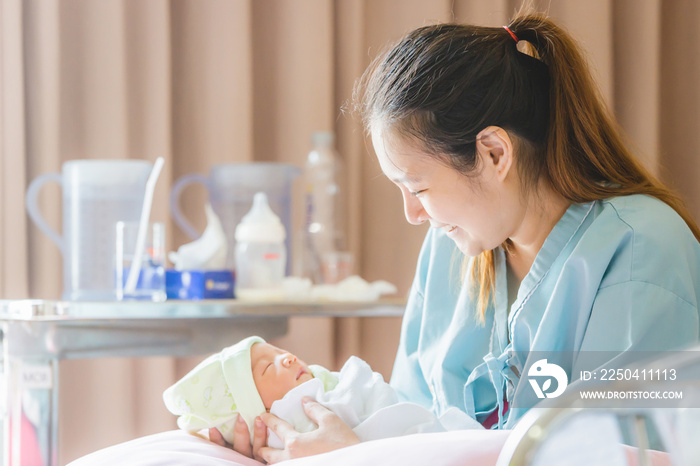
(29, 411)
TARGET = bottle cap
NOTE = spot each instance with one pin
(260, 224)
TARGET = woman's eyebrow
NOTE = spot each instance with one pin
(405, 177)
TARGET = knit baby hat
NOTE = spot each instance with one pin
(216, 391)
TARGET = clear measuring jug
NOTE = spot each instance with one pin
(231, 189)
(96, 195)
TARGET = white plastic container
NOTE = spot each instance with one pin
(261, 254)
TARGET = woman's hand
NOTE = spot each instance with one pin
(241, 438)
(332, 434)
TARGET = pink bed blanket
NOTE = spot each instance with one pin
(474, 447)
(174, 448)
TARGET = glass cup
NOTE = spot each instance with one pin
(150, 285)
(336, 266)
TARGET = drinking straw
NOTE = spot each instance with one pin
(143, 227)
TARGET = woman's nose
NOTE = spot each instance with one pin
(413, 209)
(288, 359)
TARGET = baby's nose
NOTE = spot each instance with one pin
(288, 360)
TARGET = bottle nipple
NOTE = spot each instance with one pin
(260, 224)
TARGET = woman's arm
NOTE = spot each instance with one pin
(332, 434)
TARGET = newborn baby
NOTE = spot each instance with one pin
(252, 377)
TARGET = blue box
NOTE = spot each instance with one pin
(199, 284)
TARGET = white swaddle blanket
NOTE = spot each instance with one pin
(367, 404)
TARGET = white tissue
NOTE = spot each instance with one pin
(297, 288)
(353, 288)
(208, 252)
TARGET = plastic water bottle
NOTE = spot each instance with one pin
(324, 223)
(261, 255)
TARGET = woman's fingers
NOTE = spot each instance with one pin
(259, 438)
(281, 428)
(216, 437)
(332, 433)
(241, 438)
(272, 455)
(316, 411)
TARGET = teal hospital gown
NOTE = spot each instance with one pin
(616, 275)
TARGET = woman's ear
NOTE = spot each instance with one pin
(495, 148)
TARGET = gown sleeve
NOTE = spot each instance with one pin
(441, 339)
(407, 376)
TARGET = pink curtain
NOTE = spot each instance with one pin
(216, 81)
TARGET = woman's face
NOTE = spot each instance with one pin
(478, 212)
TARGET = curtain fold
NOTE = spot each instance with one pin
(350, 60)
(679, 93)
(13, 231)
(637, 75)
(43, 136)
(219, 81)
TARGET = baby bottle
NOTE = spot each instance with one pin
(261, 255)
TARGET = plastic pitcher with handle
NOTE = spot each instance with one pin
(96, 195)
(231, 189)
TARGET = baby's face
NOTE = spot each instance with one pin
(276, 371)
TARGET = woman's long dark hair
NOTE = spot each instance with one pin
(441, 85)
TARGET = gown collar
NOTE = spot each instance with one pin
(560, 236)
(498, 362)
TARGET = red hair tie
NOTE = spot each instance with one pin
(515, 38)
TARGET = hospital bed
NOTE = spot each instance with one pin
(561, 431)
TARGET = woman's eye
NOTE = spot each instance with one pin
(416, 193)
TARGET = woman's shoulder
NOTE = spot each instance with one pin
(645, 240)
(641, 210)
(648, 219)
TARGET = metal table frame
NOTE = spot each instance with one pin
(36, 334)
